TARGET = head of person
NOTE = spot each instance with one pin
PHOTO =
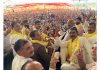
(24, 48)
(27, 26)
(32, 65)
(37, 24)
(4, 27)
(78, 20)
(12, 24)
(70, 23)
(17, 27)
(35, 35)
(91, 27)
(93, 19)
(94, 52)
(25, 22)
(73, 32)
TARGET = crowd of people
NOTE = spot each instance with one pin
(50, 40)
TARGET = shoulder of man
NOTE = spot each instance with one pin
(37, 44)
(81, 38)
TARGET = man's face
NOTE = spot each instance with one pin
(18, 27)
(38, 35)
(91, 28)
(73, 34)
(27, 49)
(37, 26)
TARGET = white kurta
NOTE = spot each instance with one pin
(83, 42)
(66, 36)
(18, 62)
(93, 39)
(91, 66)
(85, 26)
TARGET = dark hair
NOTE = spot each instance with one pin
(37, 22)
(74, 28)
(32, 33)
(77, 22)
(25, 21)
(79, 18)
(13, 24)
(92, 23)
(27, 26)
(19, 43)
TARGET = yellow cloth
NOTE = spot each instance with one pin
(90, 35)
(72, 48)
(28, 36)
(15, 32)
(40, 42)
(23, 30)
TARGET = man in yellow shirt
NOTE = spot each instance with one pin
(68, 53)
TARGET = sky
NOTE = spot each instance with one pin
(14, 2)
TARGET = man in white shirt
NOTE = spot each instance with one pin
(24, 50)
(91, 35)
(68, 52)
(91, 66)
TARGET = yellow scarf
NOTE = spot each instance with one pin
(23, 30)
(90, 35)
(73, 48)
(44, 43)
(17, 33)
(41, 42)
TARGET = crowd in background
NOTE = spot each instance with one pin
(53, 30)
